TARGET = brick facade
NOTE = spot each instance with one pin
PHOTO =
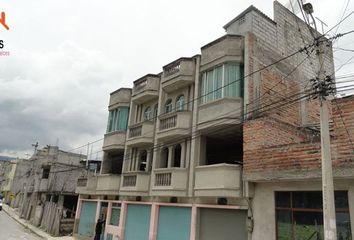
(272, 148)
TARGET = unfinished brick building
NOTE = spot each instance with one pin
(221, 145)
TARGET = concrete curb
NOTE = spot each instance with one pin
(22, 223)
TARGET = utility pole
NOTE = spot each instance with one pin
(87, 156)
(323, 86)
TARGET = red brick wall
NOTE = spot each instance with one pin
(270, 147)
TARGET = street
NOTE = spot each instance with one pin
(11, 230)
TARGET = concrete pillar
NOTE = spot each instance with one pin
(183, 154)
(137, 160)
(148, 160)
(170, 155)
(153, 221)
(194, 141)
(130, 159)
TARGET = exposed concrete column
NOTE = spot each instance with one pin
(170, 154)
(183, 154)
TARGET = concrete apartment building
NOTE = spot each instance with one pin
(43, 189)
(218, 146)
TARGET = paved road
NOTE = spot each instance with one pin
(12, 230)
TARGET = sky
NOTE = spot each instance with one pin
(67, 56)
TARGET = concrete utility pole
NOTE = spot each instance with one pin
(323, 86)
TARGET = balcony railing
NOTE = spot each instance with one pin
(170, 182)
(129, 181)
(114, 140)
(141, 134)
(172, 69)
(218, 180)
(163, 179)
(178, 74)
(176, 124)
(135, 131)
(146, 88)
(169, 122)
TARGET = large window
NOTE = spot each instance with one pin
(221, 81)
(168, 106)
(180, 103)
(299, 215)
(147, 113)
(118, 119)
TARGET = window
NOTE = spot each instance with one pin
(164, 158)
(221, 81)
(143, 160)
(118, 119)
(155, 111)
(147, 113)
(45, 173)
(180, 103)
(177, 156)
(168, 106)
(299, 215)
(115, 214)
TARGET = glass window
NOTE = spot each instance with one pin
(180, 103)
(147, 113)
(155, 111)
(300, 216)
(118, 119)
(168, 106)
(115, 214)
(221, 81)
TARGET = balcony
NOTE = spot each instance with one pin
(222, 112)
(174, 125)
(141, 134)
(146, 89)
(228, 48)
(178, 74)
(135, 183)
(120, 97)
(86, 185)
(114, 141)
(170, 182)
(108, 184)
(43, 185)
(219, 180)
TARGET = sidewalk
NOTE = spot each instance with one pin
(39, 232)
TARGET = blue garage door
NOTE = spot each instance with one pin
(174, 223)
(137, 222)
(87, 218)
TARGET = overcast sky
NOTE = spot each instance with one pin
(67, 56)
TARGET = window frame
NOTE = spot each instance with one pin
(221, 91)
(179, 106)
(147, 113)
(168, 103)
(293, 209)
